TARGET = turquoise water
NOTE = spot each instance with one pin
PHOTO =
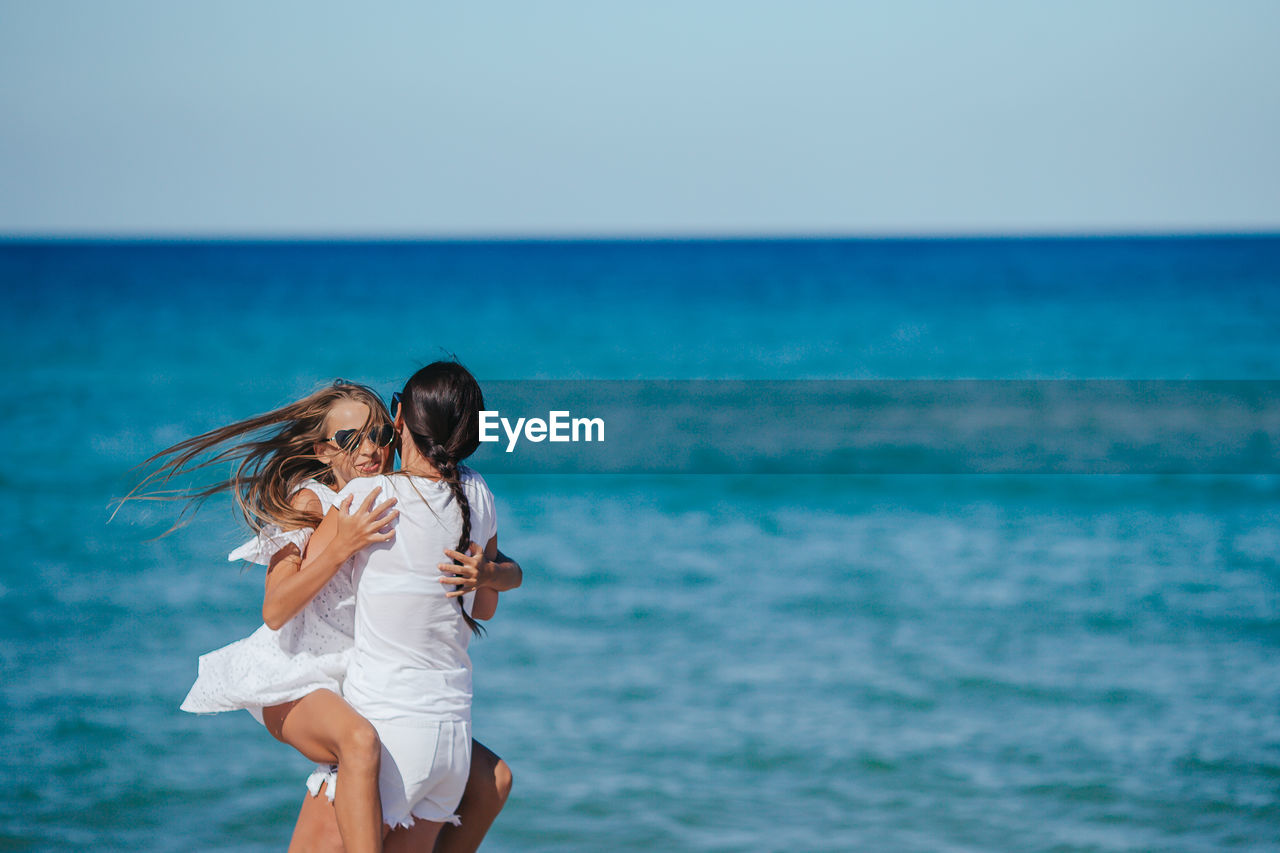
(695, 662)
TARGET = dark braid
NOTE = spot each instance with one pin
(448, 469)
(464, 506)
(443, 400)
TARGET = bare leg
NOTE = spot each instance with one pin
(488, 785)
(324, 728)
(317, 828)
(421, 836)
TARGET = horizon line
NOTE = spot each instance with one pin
(631, 237)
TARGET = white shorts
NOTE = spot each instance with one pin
(425, 764)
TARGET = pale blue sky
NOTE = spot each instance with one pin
(639, 118)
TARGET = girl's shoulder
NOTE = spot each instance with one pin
(319, 489)
(312, 496)
(484, 512)
(469, 477)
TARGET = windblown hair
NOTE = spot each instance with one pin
(441, 405)
(274, 454)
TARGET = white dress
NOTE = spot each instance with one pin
(309, 652)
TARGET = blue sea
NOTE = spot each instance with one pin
(700, 659)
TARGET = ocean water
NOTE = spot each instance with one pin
(701, 658)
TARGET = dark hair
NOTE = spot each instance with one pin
(275, 455)
(441, 406)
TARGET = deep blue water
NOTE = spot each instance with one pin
(695, 662)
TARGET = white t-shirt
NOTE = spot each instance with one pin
(410, 655)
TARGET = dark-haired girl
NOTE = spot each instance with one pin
(410, 674)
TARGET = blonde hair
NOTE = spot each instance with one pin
(274, 454)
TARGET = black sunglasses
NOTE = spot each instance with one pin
(351, 439)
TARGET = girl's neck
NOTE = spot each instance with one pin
(334, 478)
(413, 462)
(426, 469)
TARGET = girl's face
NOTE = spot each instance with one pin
(366, 460)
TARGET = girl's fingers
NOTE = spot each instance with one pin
(454, 569)
(457, 591)
(346, 503)
(384, 506)
(369, 499)
(375, 525)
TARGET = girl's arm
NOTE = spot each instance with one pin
(293, 578)
(492, 569)
(485, 604)
(485, 573)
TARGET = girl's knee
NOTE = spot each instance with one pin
(359, 744)
(490, 779)
(502, 780)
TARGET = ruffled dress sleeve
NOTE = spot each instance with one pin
(264, 546)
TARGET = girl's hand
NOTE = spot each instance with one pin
(352, 531)
(476, 571)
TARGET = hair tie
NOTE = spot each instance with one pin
(443, 460)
